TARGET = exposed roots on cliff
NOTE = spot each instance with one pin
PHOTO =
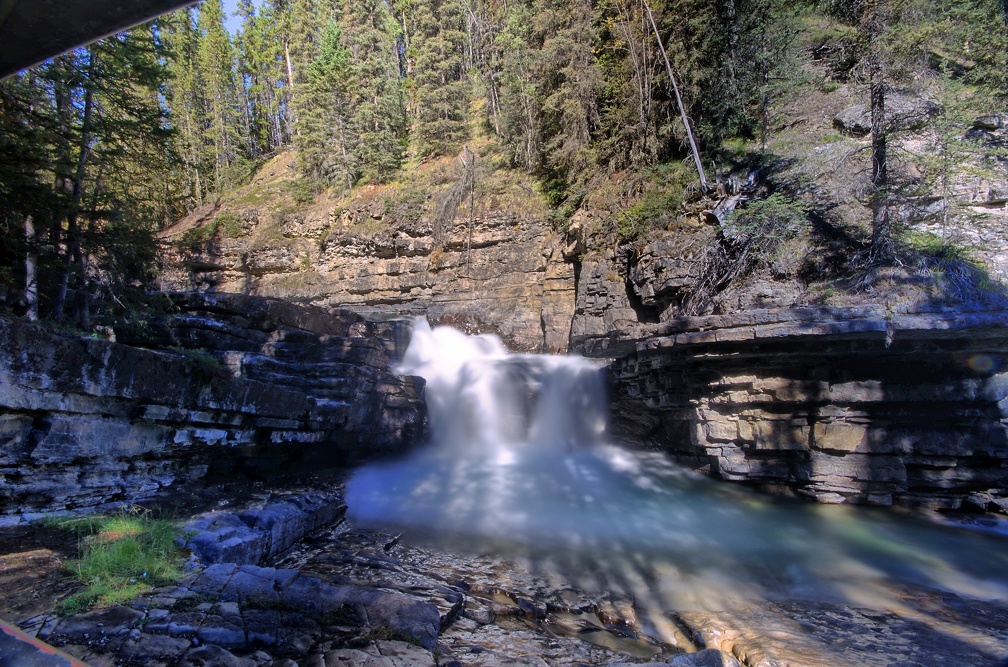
(748, 238)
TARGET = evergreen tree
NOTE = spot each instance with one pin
(733, 57)
(324, 139)
(632, 134)
(221, 123)
(89, 128)
(184, 95)
(27, 201)
(440, 84)
(263, 76)
(571, 84)
(377, 118)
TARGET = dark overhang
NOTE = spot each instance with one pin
(32, 31)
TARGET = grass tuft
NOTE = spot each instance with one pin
(121, 556)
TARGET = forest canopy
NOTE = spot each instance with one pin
(103, 146)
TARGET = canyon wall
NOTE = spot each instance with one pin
(239, 385)
(500, 273)
(837, 404)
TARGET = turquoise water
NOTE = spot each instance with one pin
(519, 465)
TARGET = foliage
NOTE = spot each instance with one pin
(751, 237)
(303, 190)
(84, 147)
(121, 556)
(955, 269)
(665, 188)
(321, 101)
(406, 205)
(196, 237)
(230, 225)
(103, 146)
(438, 79)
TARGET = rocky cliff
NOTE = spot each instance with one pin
(493, 269)
(837, 404)
(247, 384)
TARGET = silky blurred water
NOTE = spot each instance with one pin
(519, 465)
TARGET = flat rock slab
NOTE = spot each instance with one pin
(929, 630)
(229, 610)
(254, 536)
(378, 654)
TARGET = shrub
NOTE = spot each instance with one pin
(751, 237)
(406, 205)
(199, 235)
(663, 192)
(303, 190)
(230, 225)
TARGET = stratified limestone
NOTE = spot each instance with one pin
(501, 273)
(841, 405)
(247, 383)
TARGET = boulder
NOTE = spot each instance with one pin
(904, 111)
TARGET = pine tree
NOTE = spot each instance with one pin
(440, 85)
(377, 120)
(263, 76)
(324, 139)
(27, 202)
(184, 95)
(88, 135)
(221, 122)
(571, 84)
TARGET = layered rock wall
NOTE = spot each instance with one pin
(841, 405)
(85, 421)
(500, 273)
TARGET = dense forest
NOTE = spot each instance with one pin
(103, 146)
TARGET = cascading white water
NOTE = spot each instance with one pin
(479, 396)
(518, 460)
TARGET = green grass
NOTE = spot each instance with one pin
(121, 556)
(230, 225)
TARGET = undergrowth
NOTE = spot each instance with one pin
(121, 556)
(663, 190)
(752, 236)
(954, 268)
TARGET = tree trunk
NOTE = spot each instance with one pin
(73, 241)
(31, 282)
(682, 108)
(881, 233)
(881, 242)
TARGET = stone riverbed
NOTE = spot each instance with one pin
(284, 580)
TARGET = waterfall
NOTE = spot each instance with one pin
(480, 397)
(518, 461)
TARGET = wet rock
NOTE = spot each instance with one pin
(706, 658)
(254, 536)
(214, 656)
(92, 626)
(480, 614)
(153, 649)
(380, 654)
